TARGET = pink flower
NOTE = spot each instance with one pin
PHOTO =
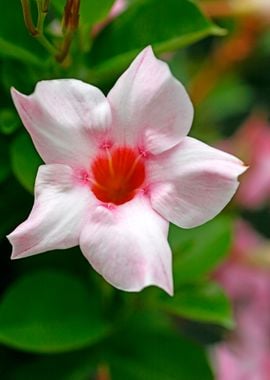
(246, 354)
(233, 363)
(118, 7)
(118, 170)
(252, 143)
(256, 189)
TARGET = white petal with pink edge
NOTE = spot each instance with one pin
(150, 107)
(193, 182)
(65, 118)
(128, 246)
(59, 212)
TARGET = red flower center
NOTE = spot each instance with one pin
(117, 175)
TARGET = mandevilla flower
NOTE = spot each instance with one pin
(245, 354)
(118, 170)
(252, 142)
(117, 8)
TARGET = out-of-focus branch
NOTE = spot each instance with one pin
(70, 24)
(42, 13)
(37, 31)
(27, 15)
(71, 15)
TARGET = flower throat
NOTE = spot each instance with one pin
(117, 175)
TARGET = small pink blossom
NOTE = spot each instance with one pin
(252, 143)
(246, 353)
(118, 170)
(118, 7)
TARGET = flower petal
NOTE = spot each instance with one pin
(150, 107)
(64, 118)
(128, 246)
(58, 214)
(193, 182)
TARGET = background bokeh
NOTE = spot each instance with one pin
(58, 319)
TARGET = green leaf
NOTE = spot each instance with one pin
(24, 160)
(91, 12)
(15, 40)
(199, 250)
(220, 103)
(13, 197)
(158, 355)
(203, 302)
(10, 50)
(9, 121)
(77, 365)
(5, 169)
(167, 25)
(94, 11)
(49, 312)
(4, 361)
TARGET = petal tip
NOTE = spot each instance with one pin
(14, 256)
(169, 290)
(12, 90)
(146, 54)
(15, 93)
(14, 253)
(19, 99)
(167, 285)
(245, 167)
(149, 49)
(9, 237)
(242, 168)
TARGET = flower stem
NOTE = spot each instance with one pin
(64, 49)
(70, 24)
(37, 31)
(42, 13)
(27, 15)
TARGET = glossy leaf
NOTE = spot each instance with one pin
(199, 250)
(9, 121)
(5, 169)
(77, 365)
(13, 197)
(91, 12)
(160, 355)
(94, 11)
(8, 49)
(22, 76)
(50, 312)
(15, 40)
(203, 302)
(163, 24)
(25, 160)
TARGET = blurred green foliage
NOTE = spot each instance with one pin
(56, 313)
